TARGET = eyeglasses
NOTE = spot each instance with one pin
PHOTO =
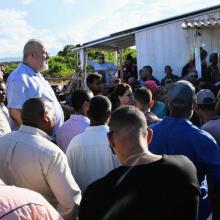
(101, 58)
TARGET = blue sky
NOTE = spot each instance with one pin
(61, 22)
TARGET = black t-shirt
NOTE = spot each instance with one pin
(166, 189)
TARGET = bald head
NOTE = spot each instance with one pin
(30, 47)
(35, 55)
(129, 119)
(128, 133)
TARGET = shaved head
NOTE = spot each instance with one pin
(128, 119)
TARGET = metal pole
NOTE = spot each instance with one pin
(121, 63)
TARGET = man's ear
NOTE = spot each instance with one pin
(196, 107)
(46, 116)
(149, 135)
(111, 141)
(85, 107)
(151, 104)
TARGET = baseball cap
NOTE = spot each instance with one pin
(205, 97)
(181, 94)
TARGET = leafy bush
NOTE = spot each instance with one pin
(64, 64)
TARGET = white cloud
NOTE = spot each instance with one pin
(26, 2)
(15, 32)
(118, 15)
(70, 1)
(112, 16)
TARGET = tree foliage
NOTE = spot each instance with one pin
(109, 56)
(9, 67)
(63, 65)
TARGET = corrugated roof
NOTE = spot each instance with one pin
(203, 23)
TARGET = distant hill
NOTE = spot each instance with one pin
(10, 59)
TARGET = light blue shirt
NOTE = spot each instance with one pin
(109, 67)
(23, 83)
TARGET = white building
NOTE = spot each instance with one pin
(167, 42)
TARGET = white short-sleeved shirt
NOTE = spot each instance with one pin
(23, 83)
(89, 155)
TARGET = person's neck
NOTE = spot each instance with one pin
(141, 156)
(34, 69)
(93, 123)
(80, 112)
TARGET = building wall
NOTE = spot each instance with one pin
(169, 44)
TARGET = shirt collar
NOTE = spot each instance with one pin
(78, 117)
(98, 128)
(29, 70)
(178, 119)
(34, 131)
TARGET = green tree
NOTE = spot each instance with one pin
(9, 67)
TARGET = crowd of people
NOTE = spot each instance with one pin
(132, 148)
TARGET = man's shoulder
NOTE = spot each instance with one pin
(179, 162)
(183, 168)
(109, 63)
(215, 124)
(36, 142)
(19, 74)
(77, 141)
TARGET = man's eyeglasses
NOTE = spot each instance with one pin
(101, 58)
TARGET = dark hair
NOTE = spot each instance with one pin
(213, 58)
(178, 111)
(99, 109)
(91, 77)
(120, 90)
(32, 110)
(101, 54)
(207, 107)
(127, 117)
(78, 97)
(143, 95)
(129, 57)
(168, 67)
(148, 67)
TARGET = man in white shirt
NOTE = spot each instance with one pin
(108, 69)
(26, 82)
(30, 160)
(89, 154)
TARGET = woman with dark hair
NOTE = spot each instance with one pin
(122, 95)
